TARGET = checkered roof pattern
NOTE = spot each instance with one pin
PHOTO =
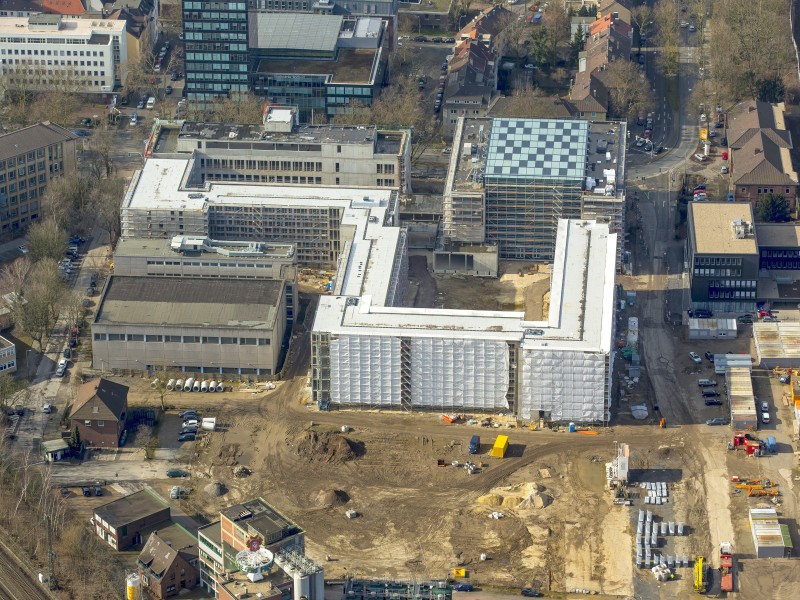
(537, 148)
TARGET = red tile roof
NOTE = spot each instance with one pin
(62, 7)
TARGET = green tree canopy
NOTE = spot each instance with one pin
(773, 208)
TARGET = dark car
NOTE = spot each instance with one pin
(173, 76)
(745, 319)
(420, 38)
(531, 593)
(713, 402)
(168, 90)
(463, 587)
(67, 352)
(658, 149)
(450, 40)
(709, 356)
(437, 40)
(710, 394)
(93, 280)
(186, 437)
(700, 313)
(177, 473)
(191, 429)
(141, 103)
(73, 342)
(98, 491)
(86, 491)
(188, 412)
(87, 122)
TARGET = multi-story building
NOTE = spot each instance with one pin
(322, 64)
(185, 256)
(283, 152)
(30, 158)
(215, 38)
(511, 180)
(43, 52)
(125, 522)
(255, 546)
(163, 201)
(141, 18)
(99, 413)
(369, 353)
(723, 256)
(190, 324)
(8, 356)
(383, 8)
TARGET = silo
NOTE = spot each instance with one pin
(133, 587)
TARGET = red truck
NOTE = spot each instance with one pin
(726, 566)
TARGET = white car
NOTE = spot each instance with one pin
(701, 157)
(695, 357)
(530, 66)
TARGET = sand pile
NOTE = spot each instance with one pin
(330, 498)
(521, 495)
(491, 500)
(215, 490)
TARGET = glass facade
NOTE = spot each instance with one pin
(215, 38)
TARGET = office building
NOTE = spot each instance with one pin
(215, 40)
(282, 151)
(212, 326)
(253, 546)
(43, 52)
(383, 8)
(8, 356)
(723, 256)
(368, 353)
(127, 521)
(319, 63)
(162, 201)
(510, 181)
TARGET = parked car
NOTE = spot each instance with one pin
(67, 352)
(189, 422)
(175, 492)
(450, 40)
(710, 357)
(710, 393)
(98, 491)
(177, 473)
(186, 437)
(188, 412)
(23, 249)
(695, 357)
(62, 367)
(86, 491)
(745, 319)
(713, 402)
(717, 421)
(48, 408)
(723, 170)
(168, 90)
(531, 593)
(141, 102)
(765, 406)
(764, 417)
(701, 157)
(463, 587)
(420, 38)
(192, 430)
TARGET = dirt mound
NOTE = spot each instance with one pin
(326, 446)
(215, 490)
(511, 502)
(329, 498)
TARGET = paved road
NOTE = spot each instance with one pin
(15, 582)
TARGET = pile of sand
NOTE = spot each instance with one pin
(330, 498)
(521, 495)
(326, 446)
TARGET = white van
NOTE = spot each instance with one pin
(151, 102)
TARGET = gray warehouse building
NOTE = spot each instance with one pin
(226, 326)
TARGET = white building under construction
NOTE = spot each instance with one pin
(367, 353)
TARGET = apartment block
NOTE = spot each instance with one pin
(30, 158)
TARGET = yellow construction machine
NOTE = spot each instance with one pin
(700, 575)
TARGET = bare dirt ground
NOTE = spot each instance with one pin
(520, 287)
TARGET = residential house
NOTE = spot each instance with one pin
(608, 39)
(487, 27)
(125, 522)
(18, 8)
(168, 563)
(616, 8)
(471, 83)
(760, 152)
(577, 23)
(72, 8)
(428, 15)
(99, 412)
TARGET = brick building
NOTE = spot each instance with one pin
(168, 562)
(99, 413)
(127, 521)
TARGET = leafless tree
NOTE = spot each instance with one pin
(46, 240)
(628, 96)
(15, 274)
(69, 201)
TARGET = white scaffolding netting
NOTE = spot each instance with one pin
(449, 374)
(365, 370)
(570, 386)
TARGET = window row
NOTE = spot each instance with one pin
(178, 339)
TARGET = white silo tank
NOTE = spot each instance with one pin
(318, 585)
(133, 587)
(302, 584)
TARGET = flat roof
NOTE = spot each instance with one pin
(778, 235)
(159, 185)
(263, 518)
(294, 31)
(537, 148)
(301, 135)
(19, 26)
(777, 340)
(581, 308)
(352, 65)
(163, 248)
(130, 508)
(189, 301)
(712, 224)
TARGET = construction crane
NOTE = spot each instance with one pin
(700, 580)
